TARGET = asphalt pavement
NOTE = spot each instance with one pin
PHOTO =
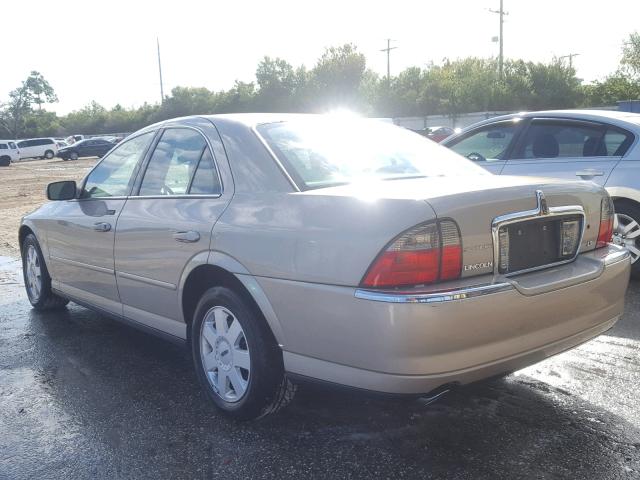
(84, 397)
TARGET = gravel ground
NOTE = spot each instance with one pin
(84, 397)
(22, 187)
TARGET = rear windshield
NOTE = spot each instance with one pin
(326, 152)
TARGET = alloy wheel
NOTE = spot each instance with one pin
(34, 273)
(224, 353)
(626, 232)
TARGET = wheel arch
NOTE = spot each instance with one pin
(23, 232)
(624, 194)
(222, 270)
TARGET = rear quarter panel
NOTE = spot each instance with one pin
(312, 238)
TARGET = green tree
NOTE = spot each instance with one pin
(17, 111)
(630, 62)
(39, 89)
(336, 80)
(279, 85)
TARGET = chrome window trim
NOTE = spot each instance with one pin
(435, 297)
(181, 195)
(541, 211)
(275, 158)
(135, 172)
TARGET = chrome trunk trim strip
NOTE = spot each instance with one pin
(435, 297)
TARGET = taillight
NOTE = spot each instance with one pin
(606, 222)
(424, 254)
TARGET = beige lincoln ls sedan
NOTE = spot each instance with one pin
(283, 248)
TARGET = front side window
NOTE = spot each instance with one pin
(113, 176)
(173, 162)
(323, 152)
(487, 144)
(558, 139)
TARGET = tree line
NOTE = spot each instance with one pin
(340, 79)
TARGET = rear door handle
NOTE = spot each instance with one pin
(589, 173)
(102, 227)
(186, 237)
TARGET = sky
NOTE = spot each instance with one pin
(106, 51)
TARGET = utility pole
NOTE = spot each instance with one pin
(502, 13)
(388, 50)
(160, 71)
(570, 57)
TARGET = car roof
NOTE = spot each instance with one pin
(612, 116)
(246, 119)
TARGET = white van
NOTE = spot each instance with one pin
(38, 148)
(8, 152)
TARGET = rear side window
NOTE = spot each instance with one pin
(12, 145)
(173, 162)
(3, 146)
(617, 141)
(205, 180)
(558, 139)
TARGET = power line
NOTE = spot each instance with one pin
(388, 50)
(502, 13)
(570, 57)
(160, 72)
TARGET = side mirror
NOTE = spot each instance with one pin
(65, 190)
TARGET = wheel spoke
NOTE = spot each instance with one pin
(235, 330)
(209, 335)
(222, 383)
(221, 321)
(633, 233)
(242, 359)
(634, 251)
(209, 361)
(632, 225)
(239, 385)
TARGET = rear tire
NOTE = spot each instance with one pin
(236, 357)
(49, 154)
(36, 277)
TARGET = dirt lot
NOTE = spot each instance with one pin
(22, 190)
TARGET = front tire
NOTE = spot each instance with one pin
(237, 359)
(49, 154)
(36, 277)
(73, 155)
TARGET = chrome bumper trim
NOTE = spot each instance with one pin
(616, 256)
(436, 297)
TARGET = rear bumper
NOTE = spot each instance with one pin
(415, 342)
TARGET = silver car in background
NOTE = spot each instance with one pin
(597, 145)
(350, 251)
